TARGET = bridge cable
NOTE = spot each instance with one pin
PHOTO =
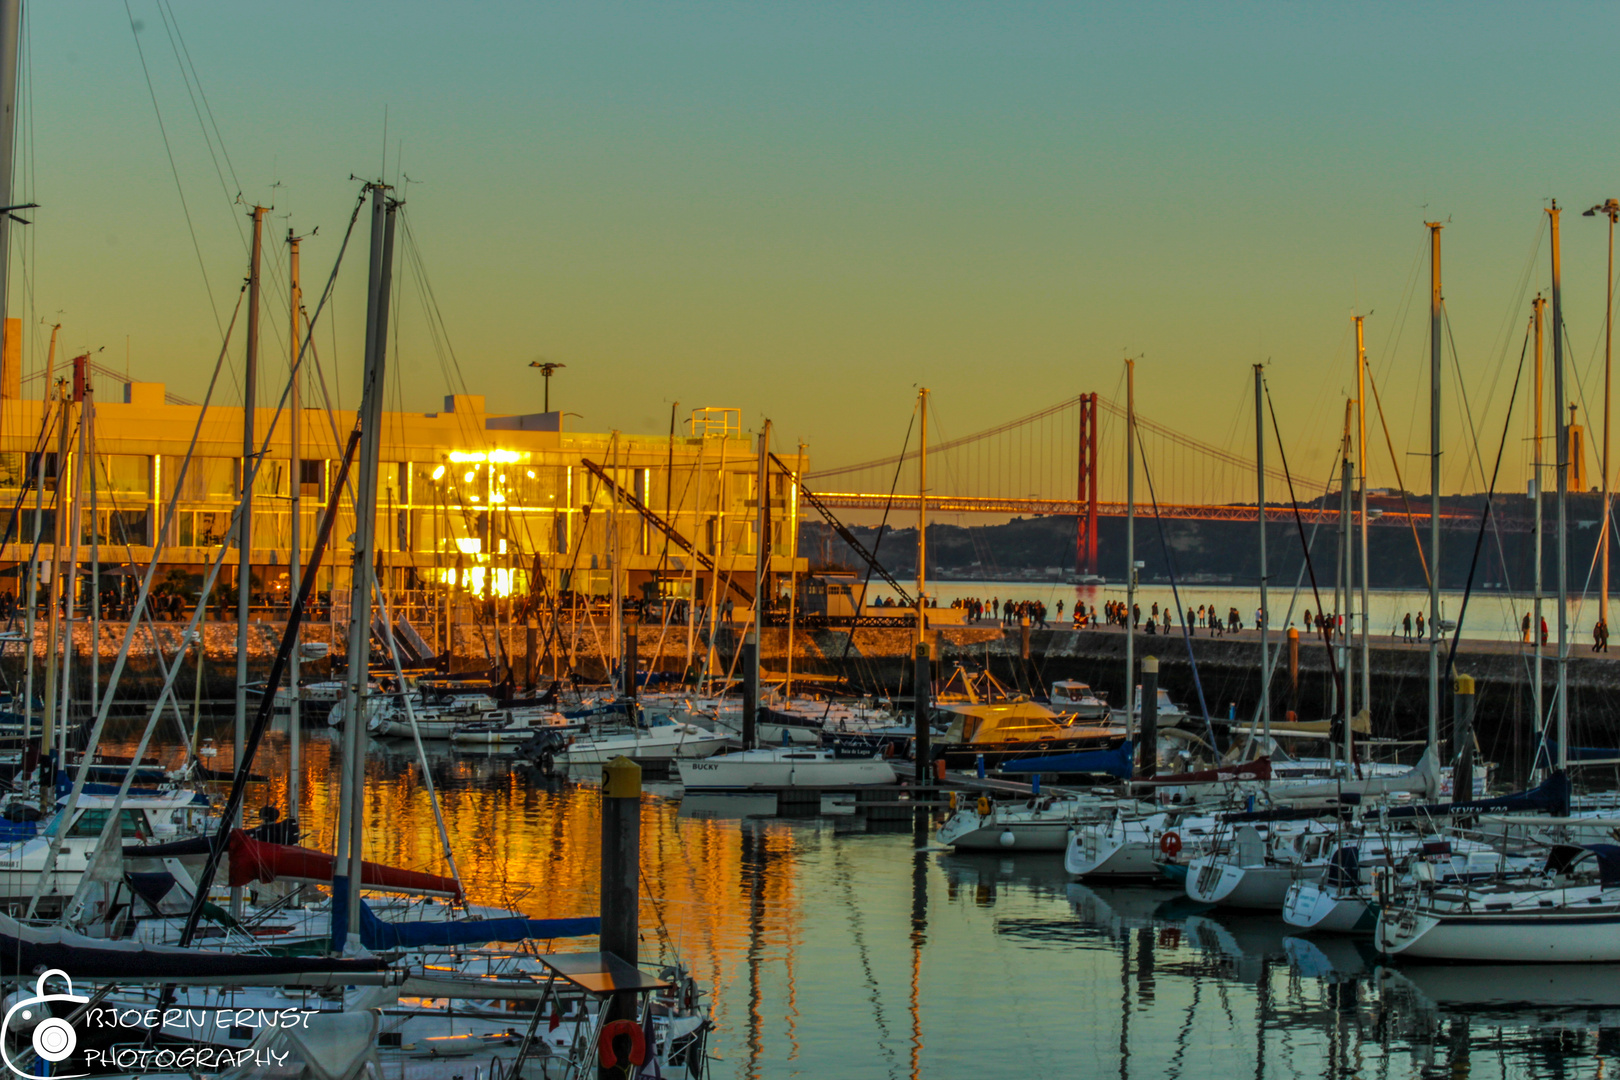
(1395, 461)
(1175, 592)
(1486, 517)
(843, 657)
(1299, 523)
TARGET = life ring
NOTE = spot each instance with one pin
(1170, 844)
(638, 1043)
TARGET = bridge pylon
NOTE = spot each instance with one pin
(1085, 538)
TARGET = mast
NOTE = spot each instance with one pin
(10, 49)
(33, 566)
(1348, 563)
(244, 525)
(1361, 467)
(295, 545)
(48, 735)
(70, 582)
(1562, 431)
(1130, 554)
(1434, 483)
(351, 844)
(762, 562)
(1538, 307)
(1260, 516)
(922, 519)
(793, 564)
(719, 536)
(1610, 209)
(616, 616)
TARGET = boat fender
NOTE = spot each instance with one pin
(1007, 839)
(984, 806)
(888, 750)
(1170, 844)
(638, 1043)
(950, 800)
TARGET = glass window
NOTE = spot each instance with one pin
(131, 824)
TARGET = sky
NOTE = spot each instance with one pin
(808, 210)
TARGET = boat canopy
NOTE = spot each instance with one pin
(25, 950)
(1018, 721)
(1550, 796)
(378, 935)
(255, 860)
(1114, 761)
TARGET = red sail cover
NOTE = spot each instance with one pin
(1258, 769)
(255, 860)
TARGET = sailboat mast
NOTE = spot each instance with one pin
(922, 519)
(1348, 562)
(1361, 468)
(762, 564)
(1561, 429)
(70, 583)
(1130, 554)
(1538, 307)
(1264, 618)
(48, 735)
(10, 49)
(351, 843)
(244, 525)
(295, 539)
(1434, 483)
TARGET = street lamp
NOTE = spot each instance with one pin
(1610, 209)
(547, 369)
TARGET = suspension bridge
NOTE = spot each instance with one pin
(1051, 462)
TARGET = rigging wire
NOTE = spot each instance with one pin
(174, 169)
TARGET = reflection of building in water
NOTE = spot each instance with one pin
(496, 504)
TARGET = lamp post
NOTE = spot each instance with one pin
(1610, 209)
(547, 369)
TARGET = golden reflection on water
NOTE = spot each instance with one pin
(814, 937)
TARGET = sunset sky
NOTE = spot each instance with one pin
(807, 210)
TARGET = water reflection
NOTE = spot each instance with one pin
(837, 946)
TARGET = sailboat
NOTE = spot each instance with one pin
(785, 766)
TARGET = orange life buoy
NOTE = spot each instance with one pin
(1170, 844)
(638, 1043)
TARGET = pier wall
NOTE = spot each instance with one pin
(879, 660)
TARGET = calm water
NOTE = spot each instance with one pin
(833, 951)
(1493, 614)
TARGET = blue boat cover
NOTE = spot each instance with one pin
(377, 935)
(1116, 761)
(1551, 796)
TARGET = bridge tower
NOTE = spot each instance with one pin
(1085, 539)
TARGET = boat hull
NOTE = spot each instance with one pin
(1519, 938)
(718, 774)
(1312, 905)
(1256, 888)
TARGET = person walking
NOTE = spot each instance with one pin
(1060, 611)
(1420, 626)
(1524, 628)
(1544, 631)
(1406, 627)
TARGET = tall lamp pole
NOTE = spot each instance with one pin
(547, 369)
(1611, 210)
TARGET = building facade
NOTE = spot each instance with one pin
(468, 503)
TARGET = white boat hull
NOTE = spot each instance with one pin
(1097, 854)
(1575, 938)
(748, 770)
(1213, 880)
(1312, 905)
